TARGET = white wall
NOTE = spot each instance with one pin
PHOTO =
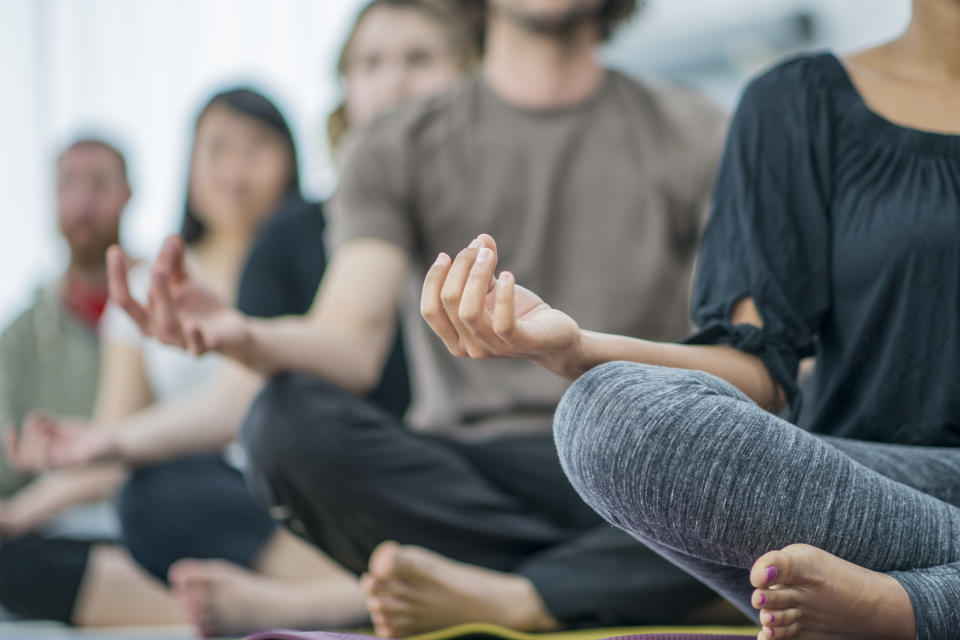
(139, 70)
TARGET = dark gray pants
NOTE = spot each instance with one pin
(690, 466)
(350, 476)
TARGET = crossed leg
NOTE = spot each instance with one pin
(687, 464)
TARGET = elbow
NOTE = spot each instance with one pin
(364, 378)
(779, 398)
(367, 356)
(774, 399)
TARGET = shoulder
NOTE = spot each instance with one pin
(671, 102)
(677, 119)
(295, 218)
(19, 332)
(409, 125)
(793, 87)
(44, 309)
(287, 241)
(684, 129)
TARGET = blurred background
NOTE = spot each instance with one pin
(137, 71)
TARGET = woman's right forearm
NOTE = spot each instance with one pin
(741, 369)
(204, 420)
(52, 492)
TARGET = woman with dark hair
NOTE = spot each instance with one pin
(232, 569)
(834, 232)
(253, 105)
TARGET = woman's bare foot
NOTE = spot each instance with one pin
(221, 598)
(806, 593)
(412, 590)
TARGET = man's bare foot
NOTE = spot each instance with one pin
(411, 590)
(806, 593)
(221, 598)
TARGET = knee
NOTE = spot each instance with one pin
(142, 504)
(295, 422)
(617, 424)
(151, 512)
(40, 578)
(273, 427)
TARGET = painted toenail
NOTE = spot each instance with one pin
(771, 573)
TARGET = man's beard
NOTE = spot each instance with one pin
(91, 254)
(560, 26)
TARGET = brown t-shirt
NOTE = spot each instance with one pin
(597, 208)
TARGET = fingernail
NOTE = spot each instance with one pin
(769, 618)
(439, 258)
(772, 632)
(484, 255)
(763, 599)
(475, 244)
(771, 573)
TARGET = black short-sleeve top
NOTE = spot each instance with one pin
(845, 230)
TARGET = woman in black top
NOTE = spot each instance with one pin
(835, 231)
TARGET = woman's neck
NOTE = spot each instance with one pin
(930, 47)
(219, 257)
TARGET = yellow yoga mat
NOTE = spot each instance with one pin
(483, 631)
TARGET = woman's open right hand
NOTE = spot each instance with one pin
(180, 310)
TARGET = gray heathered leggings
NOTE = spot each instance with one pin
(691, 467)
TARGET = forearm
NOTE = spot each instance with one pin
(352, 360)
(201, 421)
(743, 370)
(54, 491)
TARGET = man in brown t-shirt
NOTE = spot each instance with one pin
(596, 186)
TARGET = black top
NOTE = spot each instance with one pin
(281, 277)
(286, 263)
(845, 229)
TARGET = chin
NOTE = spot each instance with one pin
(89, 255)
(549, 14)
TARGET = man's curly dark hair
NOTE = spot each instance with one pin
(611, 14)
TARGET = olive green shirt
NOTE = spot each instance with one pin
(49, 360)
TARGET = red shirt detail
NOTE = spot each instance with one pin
(86, 303)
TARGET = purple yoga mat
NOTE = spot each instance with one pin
(282, 634)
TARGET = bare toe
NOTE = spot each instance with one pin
(774, 598)
(784, 566)
(383, 560)
(784, 632)
(779, 618)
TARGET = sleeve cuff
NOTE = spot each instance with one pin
(776, 355)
